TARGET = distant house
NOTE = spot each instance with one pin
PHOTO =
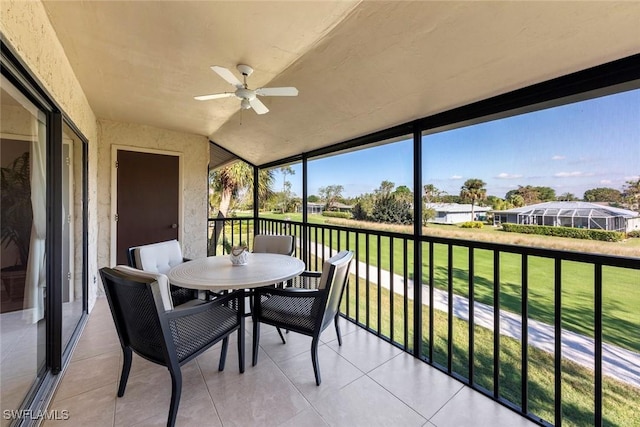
(572, 214)
(313, 208)
(454, 213)
(318, 208)
(341, 207)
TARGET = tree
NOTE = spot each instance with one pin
(386, 187)
(330, 194)
(473, 189)
(450, 198)
(390, 209)
(428, 214)
(227, 183)
(632, 193)
(286, 185)
(404, 193)
(546, 194)
(230, 180)
(313, 199)
(567, 197)
(532, 195)
(363, 207)
(603, 194)
(431, 194)
(501, 205)
(516, 200)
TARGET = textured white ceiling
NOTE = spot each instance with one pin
(359, 66)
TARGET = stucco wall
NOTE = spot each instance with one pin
(195, 158)
(26, 29)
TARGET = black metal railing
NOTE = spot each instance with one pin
(492, 296)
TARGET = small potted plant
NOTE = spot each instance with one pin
(16, 220)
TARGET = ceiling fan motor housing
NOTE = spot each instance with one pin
(247, 94)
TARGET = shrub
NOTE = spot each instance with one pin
(575, 233)
(391, 210)
(360, 212)
(634, 233)
(471, 224)
(335, 214)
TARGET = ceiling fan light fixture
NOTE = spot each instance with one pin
(244, 104)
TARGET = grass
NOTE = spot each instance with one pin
(620, 315)
(619, 399)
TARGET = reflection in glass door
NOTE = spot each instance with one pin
(23, 275)
(72, 233)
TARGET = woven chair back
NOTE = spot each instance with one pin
(135, 313)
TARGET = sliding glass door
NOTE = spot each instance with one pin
(43, 250)
(24, 286)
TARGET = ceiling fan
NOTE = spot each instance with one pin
(248, 97)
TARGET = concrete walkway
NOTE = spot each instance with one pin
(617, 362)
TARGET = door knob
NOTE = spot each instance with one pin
(174, 225)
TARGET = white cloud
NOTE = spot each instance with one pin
(456, 177)
(558, 157)
(632, 178)
(505, 175)
(605, 181)
(571, 174)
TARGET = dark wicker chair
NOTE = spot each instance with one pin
(147, 325)
(311, 280)
(272, 244)
(159, 258)
(305, 311)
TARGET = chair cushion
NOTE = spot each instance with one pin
(263, 243)
(158, 257)
(161, 280)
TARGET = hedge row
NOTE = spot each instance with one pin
(334, 214)
(576, 233)
(471, 224)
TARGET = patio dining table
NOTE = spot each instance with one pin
(217, 273)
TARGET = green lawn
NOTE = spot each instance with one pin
(619, 399)
(620, 315)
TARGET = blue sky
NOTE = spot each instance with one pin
(571, 148)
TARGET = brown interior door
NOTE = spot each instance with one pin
(148, 200)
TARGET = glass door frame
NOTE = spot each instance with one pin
(37, 398)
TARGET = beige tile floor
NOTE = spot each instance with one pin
(366, 382)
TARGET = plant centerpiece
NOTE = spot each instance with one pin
(17, 216)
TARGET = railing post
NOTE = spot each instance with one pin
(305, 215)
(256, 201)
(558, 341)
(598, 344)
(524, 324)
(417, 243)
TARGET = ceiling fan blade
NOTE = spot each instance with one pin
(277, 91)
(258, 106)
(214, 96)
(228, 76)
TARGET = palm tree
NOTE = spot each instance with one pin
(473, 189)
(228, 181)
(286, 170)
